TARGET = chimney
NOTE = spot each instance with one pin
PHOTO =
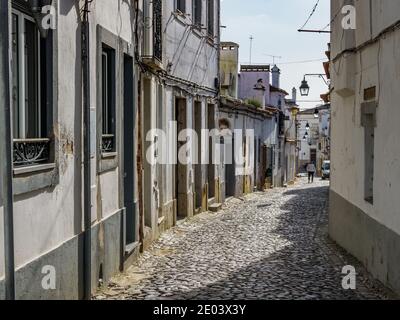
(294, 95)
(276, 74)
(259, 92)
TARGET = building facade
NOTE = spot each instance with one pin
(365, 169)
(291, 138)
(180, 98)
(254, 100)
(93, 183)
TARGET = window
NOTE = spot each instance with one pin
(108, 99)
(197, 13)
(181, 6)
(29, 68)
(210, 13)
(368, 121)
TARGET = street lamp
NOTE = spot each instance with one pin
(305, 88)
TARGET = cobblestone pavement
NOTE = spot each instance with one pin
(271, 245)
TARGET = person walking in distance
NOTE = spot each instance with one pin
(311, 172)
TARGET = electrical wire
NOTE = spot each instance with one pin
(303, 61)
(311, 14)
(297, 62)
(333, 19)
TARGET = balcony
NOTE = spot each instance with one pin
(157, 31)
(153, 46)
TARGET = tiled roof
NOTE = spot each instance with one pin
(275, 89)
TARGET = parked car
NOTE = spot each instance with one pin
(326, 170)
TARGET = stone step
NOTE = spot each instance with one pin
(215, 207)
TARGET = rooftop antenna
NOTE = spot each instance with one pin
(273, 58)
(251, 47)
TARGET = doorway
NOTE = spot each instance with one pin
(181, 169)
(230, 174)
(211, 148)
(198, 177)
(148, 168)
(129, 151)
(255, 162)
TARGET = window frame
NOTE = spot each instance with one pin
(108, 129)
(23, 116)
(108, 161)
(197, 24)
(34, 176)
(211, 19)
(180, 6)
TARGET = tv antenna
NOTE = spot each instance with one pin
(251, 47)
(273, 57)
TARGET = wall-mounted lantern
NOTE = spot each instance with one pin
(304, 88)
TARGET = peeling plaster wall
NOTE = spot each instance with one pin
(50, 220)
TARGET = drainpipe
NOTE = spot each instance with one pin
(6, 149)
(87, 153)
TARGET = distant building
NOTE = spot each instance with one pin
(314, 136)
(254, 161)
(229, 69)
(308, 135)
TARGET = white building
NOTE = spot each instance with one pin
(85, 208)
(291, 138)
(54, 223)
(180, 84)
(365, 169)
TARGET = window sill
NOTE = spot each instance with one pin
(370, 200)
(210, 40)
(181, 18)
(34, 178)
(108, 161)
(180, 14)
(197, 31)
(33, 169)
(109, 155)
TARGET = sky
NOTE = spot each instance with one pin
(274, 25)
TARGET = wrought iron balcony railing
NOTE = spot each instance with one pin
(107, 143)
(157, 28)
(29, 152)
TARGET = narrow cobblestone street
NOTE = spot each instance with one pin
(271, 245)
